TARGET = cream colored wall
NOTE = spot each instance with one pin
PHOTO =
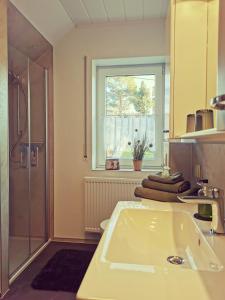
(98, 41)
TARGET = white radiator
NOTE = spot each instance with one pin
(101, 197)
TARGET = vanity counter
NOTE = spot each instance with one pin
(124, 269)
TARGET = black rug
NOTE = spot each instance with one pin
(64, 271)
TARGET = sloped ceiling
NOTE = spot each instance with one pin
(48, 16)
(53, 18)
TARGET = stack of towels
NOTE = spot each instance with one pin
(166, 189)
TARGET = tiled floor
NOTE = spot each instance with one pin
(21, 288)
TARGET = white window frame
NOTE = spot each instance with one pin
(112, 67)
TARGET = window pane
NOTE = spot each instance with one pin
(130, 95)
(129, 105)
(121, 130)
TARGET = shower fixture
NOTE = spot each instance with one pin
(15, 80)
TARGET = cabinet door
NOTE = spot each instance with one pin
(212, 50)
(194, 57)
(221, 64)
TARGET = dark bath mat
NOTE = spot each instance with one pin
(64, 271)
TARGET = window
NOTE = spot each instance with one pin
(128, 104)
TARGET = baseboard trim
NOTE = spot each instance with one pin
(75, 241)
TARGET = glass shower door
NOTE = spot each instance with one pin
(19, 205)
(27, 123)
(38, 209)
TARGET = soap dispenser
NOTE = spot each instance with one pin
(204, 210)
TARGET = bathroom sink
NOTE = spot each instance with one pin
(154, 250)
(144, 237)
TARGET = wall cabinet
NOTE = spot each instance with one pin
(221, 57)
(193, 58)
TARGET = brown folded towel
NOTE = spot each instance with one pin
(174, 178)
(178, 187)
(162, 196)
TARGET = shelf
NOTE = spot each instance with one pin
(208, 135)
(202, 134)
(183, 141)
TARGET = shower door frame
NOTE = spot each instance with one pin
(47, 173)
(4, 151)
(46, 101)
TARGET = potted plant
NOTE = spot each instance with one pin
(140, 146)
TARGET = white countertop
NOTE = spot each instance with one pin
(102, 281)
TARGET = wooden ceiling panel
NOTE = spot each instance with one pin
(96, 10)
(76, 11)
(115, 10)
(153, 8)
(66, 13)
(165, 6)
(134, 9)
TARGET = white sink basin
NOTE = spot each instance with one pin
(131, 263)
(146, 237)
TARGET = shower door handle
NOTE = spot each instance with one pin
(23, 157)
(34, 157)
(37, 156)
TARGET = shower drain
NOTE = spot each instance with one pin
(175, 260)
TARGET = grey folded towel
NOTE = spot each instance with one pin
(174, 178)
(162, 196)
(178, 187)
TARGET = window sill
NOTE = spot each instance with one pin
(152, 170)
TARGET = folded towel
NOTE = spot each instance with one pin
(162, 196)
(174, 178)
(178, 187)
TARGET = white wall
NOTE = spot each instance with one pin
(99, 41)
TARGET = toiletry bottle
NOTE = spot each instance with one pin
(204, 210)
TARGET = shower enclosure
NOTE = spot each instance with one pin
(28, 211)
(26, 143)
